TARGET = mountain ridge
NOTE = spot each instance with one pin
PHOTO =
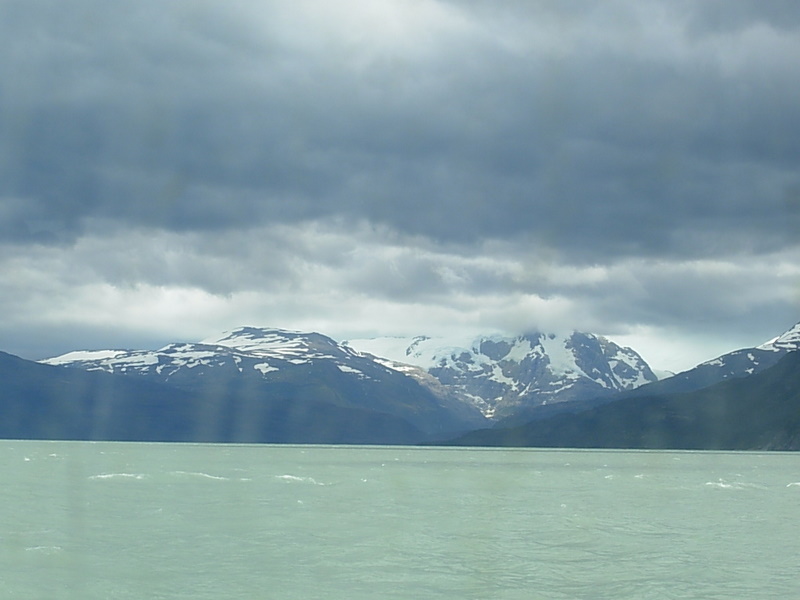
(757, 412)
(291, 364)
(731, 365)
(39, 401)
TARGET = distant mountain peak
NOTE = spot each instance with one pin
(733, 365)
(255, 332)
(789, 340)
(277, 343)
(502, 374)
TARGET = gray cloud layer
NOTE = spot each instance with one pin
(625, 136)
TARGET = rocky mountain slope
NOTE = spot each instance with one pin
(733, 365)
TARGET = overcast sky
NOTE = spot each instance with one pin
(170, 170)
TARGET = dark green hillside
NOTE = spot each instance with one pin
(45, 402)
(759, 412)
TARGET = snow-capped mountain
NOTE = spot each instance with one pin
(289, 366)
(503, 375)
(246, 348)
(736, 364)
(757, 412)
(787, 341)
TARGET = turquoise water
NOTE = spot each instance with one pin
(145, 521)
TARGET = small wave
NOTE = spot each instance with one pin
(294, 478)
(794, 484)
(118, 476)
(719, 484)
(44, 549)
(199, 475)
(734, 485)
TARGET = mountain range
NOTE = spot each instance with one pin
(271, 385)
(447, 385)
(264, 373)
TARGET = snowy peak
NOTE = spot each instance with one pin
(790, 340)
(610, 365)
(502, 374)
(572, 356)
(750, 360)
(733, 365)
(247, 348)
(279, 343)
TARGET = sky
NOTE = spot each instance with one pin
(171, 170)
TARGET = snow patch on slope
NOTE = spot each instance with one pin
(275, 343)
(562, 360)
(84, 355)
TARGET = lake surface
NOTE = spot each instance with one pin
(149, 521)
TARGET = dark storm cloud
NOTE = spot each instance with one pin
(625, 129)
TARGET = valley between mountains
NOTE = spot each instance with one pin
(260, 385)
